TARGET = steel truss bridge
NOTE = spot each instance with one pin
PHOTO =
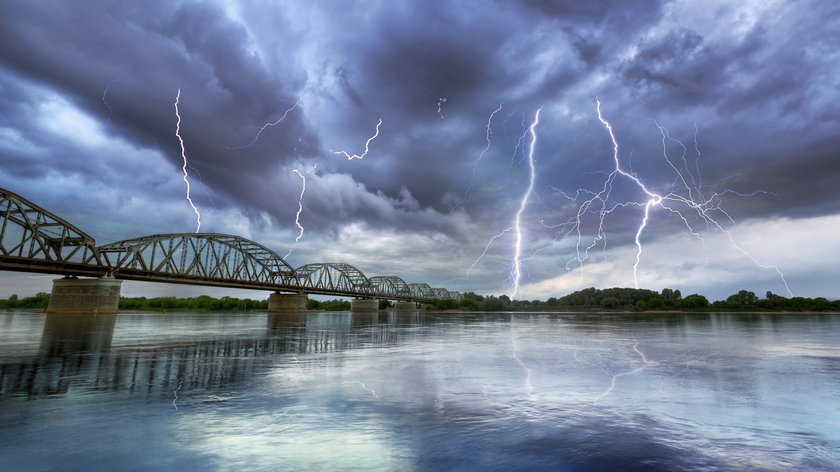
(34, 240)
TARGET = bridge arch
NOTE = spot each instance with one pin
(200, 257)
(27, 231)
(441, 293)
(334, 276)
(390, 286)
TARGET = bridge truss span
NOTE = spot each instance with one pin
(335, 277)
(34, 240)
(390, 286)
(205, 258)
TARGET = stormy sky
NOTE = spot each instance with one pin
(726, 109)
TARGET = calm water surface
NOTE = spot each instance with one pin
(335, 391)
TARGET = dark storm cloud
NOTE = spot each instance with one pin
(153, 50)
(759, 85)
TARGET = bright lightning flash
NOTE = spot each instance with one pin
(687, 204)
(441, 101)
(517, 262)
(367, 144)
(300, 206)
(184, 156)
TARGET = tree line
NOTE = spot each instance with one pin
(633, 299)
(623, 299)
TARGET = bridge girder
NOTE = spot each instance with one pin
(390, 286)
(31, 237)
(205, 256)
(336, 276)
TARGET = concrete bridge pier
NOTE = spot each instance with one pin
(71, 295)
(405, 306)
(287, 302)
(364, 305)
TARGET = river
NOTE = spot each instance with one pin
(436, 392)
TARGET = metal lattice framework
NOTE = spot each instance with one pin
(33, 239)
(336, 276)
(218, 259)
(390, 286)
(420, 290)
(455, 295)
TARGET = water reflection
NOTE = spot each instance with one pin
(403, 391)
(72, 333)
(76, 352)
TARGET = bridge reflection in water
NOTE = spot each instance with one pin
(76, 354)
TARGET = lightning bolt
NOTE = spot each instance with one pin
(184, 156)
(487, 135)
(517, 263)
(688, 205)
(300, 206)
(486, 248)
(367, 145)
(273, 123)
(108, 87)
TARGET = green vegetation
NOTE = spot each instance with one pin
(328, 305)
(39, 301)
(623, 299)
(200, 303)
(631, 299)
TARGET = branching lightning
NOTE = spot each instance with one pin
(517, 263)
(367, 145)
(184, 156)
(685, 200)
(273, 123)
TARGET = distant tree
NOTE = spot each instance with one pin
(468, 304)
(772, 296)
(505, 300)
(473, 296)
(492, 303)
(743, 297)
(693, 301)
